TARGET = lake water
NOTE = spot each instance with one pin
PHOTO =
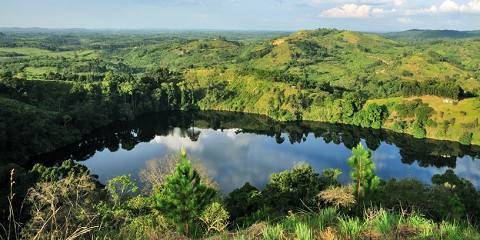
(237, 148)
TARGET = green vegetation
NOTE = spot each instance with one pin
(67, 202)
(74, 82)
(58, 87)
(183, 196)
(363, 172)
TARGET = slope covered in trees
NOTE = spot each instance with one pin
(83, 80)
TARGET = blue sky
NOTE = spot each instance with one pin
(360, 15)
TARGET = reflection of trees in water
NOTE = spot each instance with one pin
(127, 135)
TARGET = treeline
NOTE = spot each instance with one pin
(441, 89)
(404, 88)
(74, 108)
(278, 76)
(68, 76)
(57, 42)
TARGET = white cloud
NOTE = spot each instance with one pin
(448, 6)
(399, 2)
(352, 11)
(360, 2)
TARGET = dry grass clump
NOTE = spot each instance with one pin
(328, 234)
(256, 230)
(341, 196)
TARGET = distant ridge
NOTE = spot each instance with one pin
(426, 35)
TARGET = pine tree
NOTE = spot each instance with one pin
(363, 171)
(184, 196)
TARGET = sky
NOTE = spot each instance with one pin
(288, 15)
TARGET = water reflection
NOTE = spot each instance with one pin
(239, 148)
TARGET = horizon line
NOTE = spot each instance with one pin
(215, 29)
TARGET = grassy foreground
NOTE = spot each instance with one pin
(329, 224)
(180, 201)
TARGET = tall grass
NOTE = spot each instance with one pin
(423, 226)
(381, 221)
(350, 227)
(303, 231)
(273, 232)
(12, 230)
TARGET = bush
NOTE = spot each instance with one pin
(418, 131)
(243, 201)
(215, 218)
(466, 138)
(294, 189)
(151, 226)
(121, 188)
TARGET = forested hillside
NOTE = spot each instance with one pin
(56, 86)
(432, 35)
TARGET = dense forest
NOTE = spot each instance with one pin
(57, 87)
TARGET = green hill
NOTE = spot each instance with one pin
(323, 75)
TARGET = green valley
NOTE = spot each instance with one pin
(322, 75)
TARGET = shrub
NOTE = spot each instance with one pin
(297, 188)
(407, 73)
(215, 218)
(243, 201)
(399, 126)
(465, 190)
(407, 194)
(121, 188)
(418, 131)
(466, 138)
(47, 174)
(151, 226)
